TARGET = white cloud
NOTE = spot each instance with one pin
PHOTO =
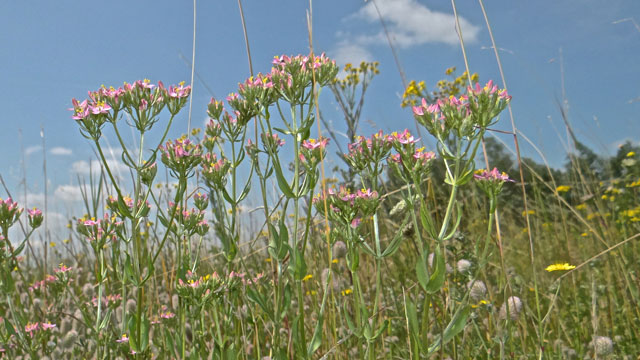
(352, 53)
(32, 149)
(68, 193)
(59, 150)
(409, 23)
(82, 167)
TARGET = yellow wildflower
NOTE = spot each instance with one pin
(530, 212)
(557, 267)
(307, 278)
(631, 154)
(563, 188)
(346, 292)
(581, 207)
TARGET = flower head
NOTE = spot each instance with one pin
(559, 267)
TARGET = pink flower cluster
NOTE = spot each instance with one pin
(493, 175)
(312, 152)
(346, 207)
(98, 232)
(464, 114)
(271, 142)
(9, 212)
(244, 279)
(181, 155)
(39, 285)
(31, 328)
(108, 300)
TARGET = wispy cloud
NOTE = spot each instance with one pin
(352, 53)
(68, 193)
(59, 150)
(32, 149)
(408, 22)
(411, 23)
(83, 167)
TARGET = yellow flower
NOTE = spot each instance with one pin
(312, 292)
(633, 184)
(52, 244)
(556, 267)
(584, 234)
(481, 302)
(530, 212)
(631, 154)
(563, 188)
(267, 259)
(307, 278)
(346, 292)
(335, 261)
(581, 207)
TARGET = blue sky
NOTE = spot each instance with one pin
(53, 51)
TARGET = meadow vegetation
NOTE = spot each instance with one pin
(459, 251)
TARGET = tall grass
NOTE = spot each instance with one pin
(413, 253)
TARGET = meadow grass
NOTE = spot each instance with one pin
(407, 253)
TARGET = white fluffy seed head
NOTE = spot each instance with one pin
(69, 340)
(602, 345)
(515, 306)
(477, 290)
(463, 266)
(339, 250)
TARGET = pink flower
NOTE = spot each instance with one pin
(99, 108)
(313, 144)
(30, 328)
(179, 91)
(143, 104)
(48, 326)
(62, 269)
(493, 175)
(123, 339)
(34, 212)
(80, 109)
(167, 315)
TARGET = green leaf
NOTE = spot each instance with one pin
(105, 320)
(422, 272)
(382, 328)
(144, 332)
(123, 208)
(282, 182)
(425, 217)
(300, 266)
(397, 239)
(168, 338)
(412, 318)
(455, 326)
(245, 191)
(257, 298)
(9, 327)
(437, 277)
(133, 344)
(128, 271)
(286, 302)
(19, 249)
(316, 340)
(350, 323)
